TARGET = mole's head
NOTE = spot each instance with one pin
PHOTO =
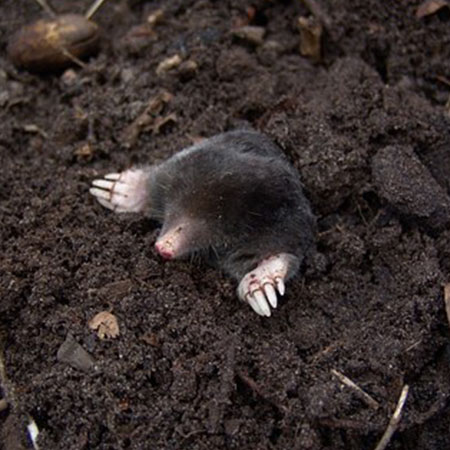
(182, 235)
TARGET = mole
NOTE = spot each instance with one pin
(234, 199)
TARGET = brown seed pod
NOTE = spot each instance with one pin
(53, 44)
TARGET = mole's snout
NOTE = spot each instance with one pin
(164, 250)
(170, 244)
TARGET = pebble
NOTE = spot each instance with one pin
(168, 64)
(251, 34)
(73, 354)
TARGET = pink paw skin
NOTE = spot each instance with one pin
(122, 192)
(260, 286)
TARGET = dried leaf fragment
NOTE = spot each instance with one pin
(310, 38)
(106, 325)
(250, 33)
(86, 151)
(160, 122)
(146, 119)
(429, 7)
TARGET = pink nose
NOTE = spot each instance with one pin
(163, 251)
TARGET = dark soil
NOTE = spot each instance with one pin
(367, 128)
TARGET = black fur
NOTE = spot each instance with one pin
(241, 197)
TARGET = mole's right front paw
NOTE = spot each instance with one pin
(259, 287)
(122, 192)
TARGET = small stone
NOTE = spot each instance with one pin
(127, 75)
(69, 77)
(251, 34)
(73, 354)
(3, 404)
(155, 18)
(168, 64)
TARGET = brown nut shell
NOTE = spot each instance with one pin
(44, 45)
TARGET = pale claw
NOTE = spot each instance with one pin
(108, 185)
(254, 304)
(122, 192)
(112, 176)
(271, 294)
(280, 286)
(105, 203)
(100, 193)
(259, 287)
(262, 302)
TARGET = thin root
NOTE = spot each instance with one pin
(360, 392)
(395, 420)
(93, 9)
(46, 7)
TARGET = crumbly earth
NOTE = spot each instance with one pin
(193, 367)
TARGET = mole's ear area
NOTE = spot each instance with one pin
(179, 238)
(122, 192)
(259, 287)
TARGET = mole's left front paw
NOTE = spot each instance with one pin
(122, 192)
(259, 287)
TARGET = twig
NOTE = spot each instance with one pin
(361, 393)
(251, 383)
(93, 9)
(443, 79)
(69, 55)
(447, 301)
(46, 7)
(395, 420)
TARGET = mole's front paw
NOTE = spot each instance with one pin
(122, 192)
(259, 287)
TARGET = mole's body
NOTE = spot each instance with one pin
(233, 198)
